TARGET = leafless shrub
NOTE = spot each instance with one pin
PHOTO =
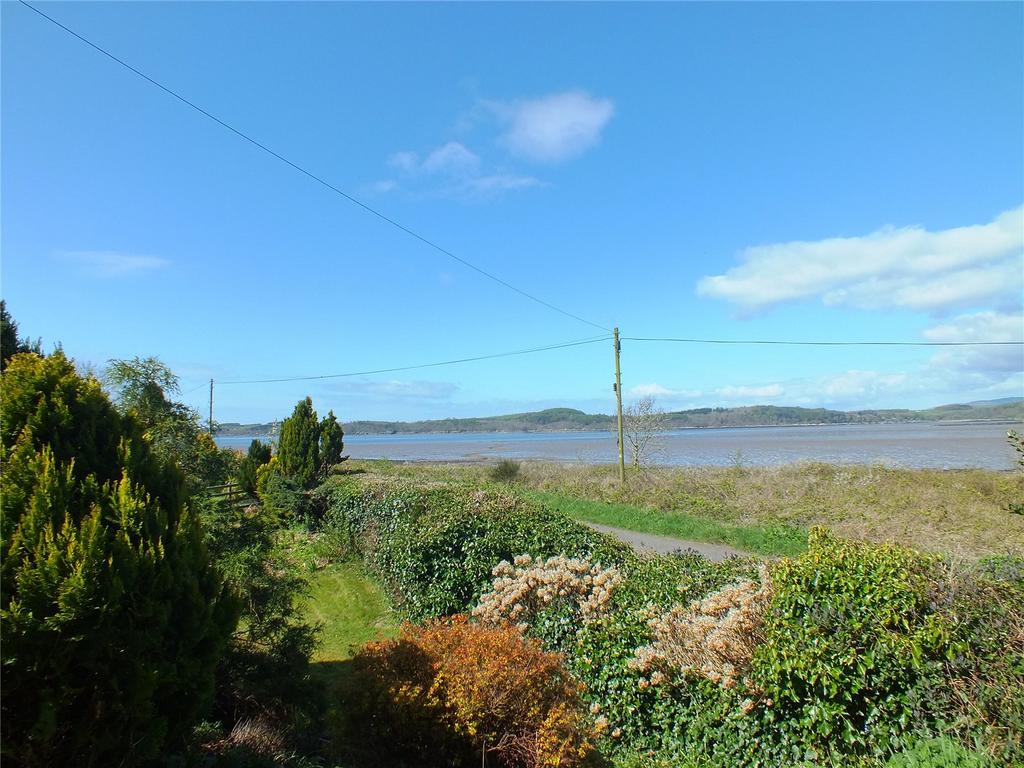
(642, 422)
(714, 637)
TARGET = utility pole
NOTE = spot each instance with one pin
(211, 407)
(618, 400)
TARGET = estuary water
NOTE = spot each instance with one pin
(932, 445)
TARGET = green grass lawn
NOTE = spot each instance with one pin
(351, 608)
(770, 540)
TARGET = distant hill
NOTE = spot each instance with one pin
(571, 420)
(1000, 401)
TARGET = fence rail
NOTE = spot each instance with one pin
(232, 493)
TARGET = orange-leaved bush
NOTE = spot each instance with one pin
(449, 692)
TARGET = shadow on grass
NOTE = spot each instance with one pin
(343, 746)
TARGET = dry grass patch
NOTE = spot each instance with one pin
(958, 511)
(963, 511)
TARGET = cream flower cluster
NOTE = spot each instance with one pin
(526, 586)
(714, 637)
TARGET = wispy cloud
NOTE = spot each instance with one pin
(451, 169)
(499, 182)
(857, 386)
(553, 128)
(381, 187)
(549, 129)
(111, 264)
(656, 390)
(454, 159)
(909, 268)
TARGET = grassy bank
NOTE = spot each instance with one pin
(778, 540)
(963, 512)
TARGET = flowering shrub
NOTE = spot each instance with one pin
(714, 637)
(525, 588)
(446, 692)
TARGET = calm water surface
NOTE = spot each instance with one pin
(943, 446)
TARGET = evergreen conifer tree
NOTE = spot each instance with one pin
(298, 447)
(113, 618)
(332, 442)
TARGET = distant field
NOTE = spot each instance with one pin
(961, 512)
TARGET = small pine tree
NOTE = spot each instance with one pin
(258, 455)
(298, 448)
(332, 442)
(113, 618)
(10, 343)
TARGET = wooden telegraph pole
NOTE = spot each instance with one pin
(211, 407)
(618, 401)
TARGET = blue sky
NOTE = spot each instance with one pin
(794, 171)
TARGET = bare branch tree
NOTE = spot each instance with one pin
(642, 423)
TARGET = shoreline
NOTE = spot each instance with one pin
(935, 422)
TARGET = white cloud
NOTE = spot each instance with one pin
(909, 268)
(861, 385)
(656, 390)
(981, 326)
(745, 392)
(113, 263)
(988, 362)
(553, 128)
(452, 159)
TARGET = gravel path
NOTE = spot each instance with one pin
(645, 543)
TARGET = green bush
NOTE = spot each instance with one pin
(113, 619)
(980, 694)
(280, 496)
(869, 649)
(257, 456)
(505, 471)
(849, 639)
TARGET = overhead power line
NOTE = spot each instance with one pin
(578, 343)
(313, 176)
(835, 343)
(195, 389)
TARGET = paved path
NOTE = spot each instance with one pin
(645, 543)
